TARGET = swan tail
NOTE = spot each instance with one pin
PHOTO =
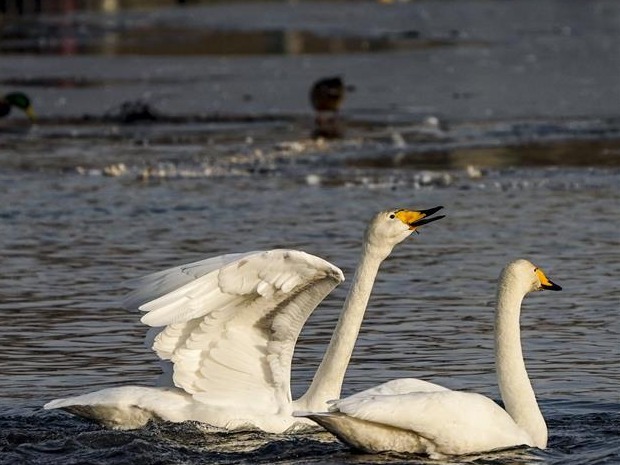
(127, 407)
(110, 416)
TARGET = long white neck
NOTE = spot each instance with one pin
(327, 381)
(514, 384)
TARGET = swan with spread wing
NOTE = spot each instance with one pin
(226, 328)
(412, 415)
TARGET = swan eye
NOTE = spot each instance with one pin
(392, 216)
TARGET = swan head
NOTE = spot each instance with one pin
(529, 276)
(390, 227)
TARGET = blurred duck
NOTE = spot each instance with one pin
(133, 111)
(326, 97)
(327, 94)
(19, 100)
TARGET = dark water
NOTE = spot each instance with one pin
(525, 160)
(59, 441)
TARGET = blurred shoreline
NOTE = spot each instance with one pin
(431, 78)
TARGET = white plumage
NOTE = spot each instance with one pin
(410, 415)
(231, 332)
(226, 329)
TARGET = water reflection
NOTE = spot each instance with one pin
(583, 153)
(58, 28)
(66, 37)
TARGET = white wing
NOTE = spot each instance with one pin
(231, 323)
(457, 422)
(152, 286)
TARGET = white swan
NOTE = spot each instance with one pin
(228, 327)
(411, 415)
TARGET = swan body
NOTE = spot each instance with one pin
(410, 415)
(226, 327)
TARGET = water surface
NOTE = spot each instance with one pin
(526, 162)
(71, 240)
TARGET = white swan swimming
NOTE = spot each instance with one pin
(411, 415)
(228, 327)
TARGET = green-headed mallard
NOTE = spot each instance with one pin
(19, 100)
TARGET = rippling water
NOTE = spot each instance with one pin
(71, 240)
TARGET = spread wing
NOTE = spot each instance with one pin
(230, 323)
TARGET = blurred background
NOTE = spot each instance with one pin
(420, 77)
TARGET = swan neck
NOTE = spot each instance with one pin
(514, 383)
(327, 382)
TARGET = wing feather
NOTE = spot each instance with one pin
(154, 285)
(230, 323)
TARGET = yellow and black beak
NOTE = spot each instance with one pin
(418, 218)
(551, 286)
(32, 116)
(546, 283)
